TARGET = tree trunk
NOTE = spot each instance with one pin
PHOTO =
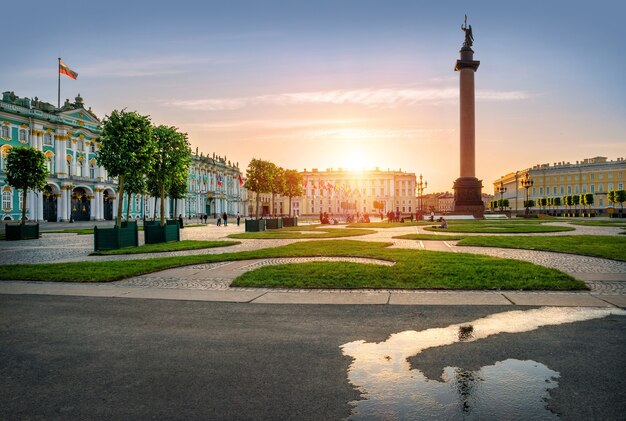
(175, 208)
(290, 215)
(154, 211)
(120, 205)
(163, 205)
(128, 206)
(258, 198)
(273, 205)
(24, 206)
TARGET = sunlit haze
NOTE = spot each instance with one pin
(351, 84)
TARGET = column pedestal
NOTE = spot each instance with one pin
(468, 197)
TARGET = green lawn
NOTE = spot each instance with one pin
(413, 269)
(435, 237)
(171, 246)
(609, 247)
(498, 227)
(386, 224)
(308, 231)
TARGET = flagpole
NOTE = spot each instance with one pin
(59, 86)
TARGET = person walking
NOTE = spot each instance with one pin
(225, 216)
(238, 218)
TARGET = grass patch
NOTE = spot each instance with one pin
(508, 227)
(413, 269)
(171, 246)
(609, 223)
(608, 247)
(429, 237)
(79, 231)
(310, 231)
(388, 224)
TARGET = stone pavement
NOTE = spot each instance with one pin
(606, 278)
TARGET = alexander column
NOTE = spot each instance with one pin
(467, 188)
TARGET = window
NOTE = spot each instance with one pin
(92, 171)
(92, 146)
(49, 164)
(584, 188)
(80, 145)
(576, 190)
(23, 137)
(540, 191)
(600, 176)
(47, 139)
(20, 200)
(610, 175)
(569, 178)
(610, 187)
(534, 193)
(4, 131)
(591, 176)
(569, 189)
(592, 188)
(620, 186)
(7, 204)
(69, 167)
(137, 203)
(584, 177)
(562, 190)
(600, 187)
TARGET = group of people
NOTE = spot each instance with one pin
(223, 218)
(364, 217)
(397, 216)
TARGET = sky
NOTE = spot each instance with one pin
(342, 83)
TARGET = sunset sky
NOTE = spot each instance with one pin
(340, 83)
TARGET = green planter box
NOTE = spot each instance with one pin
(290, 222)
(255, 225)
(115, 238)
(274, 223)
(162, 234)
(148, 222)
(21, 232)
(129, 224)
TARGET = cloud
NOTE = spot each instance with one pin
(373, 98)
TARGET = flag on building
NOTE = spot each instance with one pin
(64, 69)
(240, 180)
(219, 180)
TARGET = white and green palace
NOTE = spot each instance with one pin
(78, 188)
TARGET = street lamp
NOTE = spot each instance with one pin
(420, 191)
(501, 190)
(527, 183)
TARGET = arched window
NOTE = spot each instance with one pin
(4, 131)
(92, 171)
(7, 202)
(80, 145)
(92, 146)
(79, 168)
(23, 137)
(47, 139)
(49, 164)
(69, 166)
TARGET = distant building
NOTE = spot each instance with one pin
(596, 175)
(346, 192)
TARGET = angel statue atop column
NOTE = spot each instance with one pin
(469, 37)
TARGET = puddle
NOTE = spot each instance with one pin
(506, 390)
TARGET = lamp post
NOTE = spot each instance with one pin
(501, 190)
(420, 191)
(527, 183)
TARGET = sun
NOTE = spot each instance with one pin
(355, 158)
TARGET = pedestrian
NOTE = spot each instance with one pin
(225, 216)
(219, 221)
(238, 218)
(180, 220)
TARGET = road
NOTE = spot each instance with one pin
(113, 358)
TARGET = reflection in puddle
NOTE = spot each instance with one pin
(505, 390)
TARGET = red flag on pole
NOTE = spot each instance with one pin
(64, 69)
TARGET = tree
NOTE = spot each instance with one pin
(556, 202)
(620, 197)
(259, 179)
(576, 201)
(127, 149)
(26, 170)
(587, 200)
(277, 184)
(134, 184)
(293, 185)
(178, 189)
(171, 161)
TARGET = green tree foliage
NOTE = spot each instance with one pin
(576, 201)
(126, 150)
(277, 185)
(587, 199)
(293, 186)
(620, 197)
(26, 170)
(259, 179)
(171, 162)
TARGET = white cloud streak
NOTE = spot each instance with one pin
(373, 98)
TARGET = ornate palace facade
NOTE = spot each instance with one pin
(596, 175)
(77, 187)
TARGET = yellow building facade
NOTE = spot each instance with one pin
(596, 175)
(343, 192)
